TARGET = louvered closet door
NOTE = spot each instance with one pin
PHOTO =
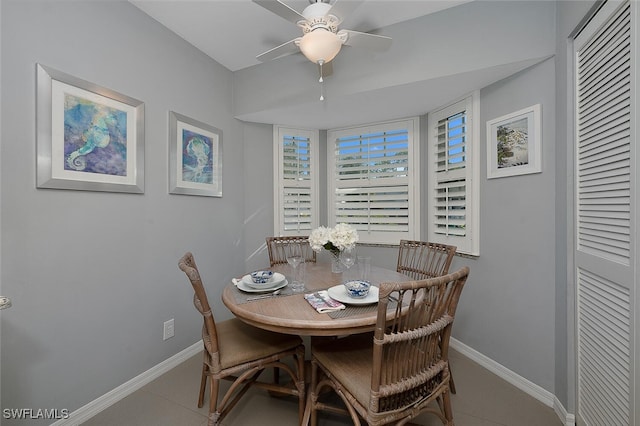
(606, 190)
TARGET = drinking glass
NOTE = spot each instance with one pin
(294, 258)
(348, 257)
(297, 286)
(364, 267)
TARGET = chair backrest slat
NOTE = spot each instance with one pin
(422, 259)
(277, 249)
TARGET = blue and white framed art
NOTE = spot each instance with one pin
(89, 138)
(195, 157)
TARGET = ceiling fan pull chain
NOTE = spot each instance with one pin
(321, 80)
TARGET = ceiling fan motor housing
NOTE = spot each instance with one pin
(317, 16)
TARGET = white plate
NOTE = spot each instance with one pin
(244, 287)
(272, 284)
(339, 293)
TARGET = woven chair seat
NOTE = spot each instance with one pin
(241, 343)
(350, 361)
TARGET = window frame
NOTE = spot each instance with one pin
(469, 243)
(412, 125)
(279, 132)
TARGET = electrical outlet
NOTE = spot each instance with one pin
(168, 330)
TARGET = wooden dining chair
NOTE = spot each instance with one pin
(277, 249)
(403, 370)
(422, 259)
(239, 352)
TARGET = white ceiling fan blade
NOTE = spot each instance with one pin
(284, 49)
(366, 40)
(342, 8)
(281, 9)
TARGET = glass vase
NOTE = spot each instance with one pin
(336, 265)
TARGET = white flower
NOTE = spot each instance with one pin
(342, 236)
(319, 237)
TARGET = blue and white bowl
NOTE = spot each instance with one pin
(357, 289)
(261, 277)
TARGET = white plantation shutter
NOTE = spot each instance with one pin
(450, 165)
(374, 170)
(297, 189)
(452, 204)
(604, 226)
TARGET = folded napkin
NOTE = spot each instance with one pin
(322, 303)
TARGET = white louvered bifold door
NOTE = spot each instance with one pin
(606, 190)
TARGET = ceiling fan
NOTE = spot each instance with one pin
(321, 40)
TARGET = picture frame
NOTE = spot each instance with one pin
(195, 157)
(514, 144)
(89, 138)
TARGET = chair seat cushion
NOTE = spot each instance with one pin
(240, 342)
(350, 361)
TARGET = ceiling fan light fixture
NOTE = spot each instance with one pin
(320, 45)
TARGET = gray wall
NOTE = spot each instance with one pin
(92, 275)
(508, 308)
(258, 195)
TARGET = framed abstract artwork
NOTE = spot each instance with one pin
(514, 143)
(88, 137)
(195, 157)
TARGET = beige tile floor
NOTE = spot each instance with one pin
(483, 399)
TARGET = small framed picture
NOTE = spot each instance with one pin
(195, 157)
(514, 143)
(88, 137)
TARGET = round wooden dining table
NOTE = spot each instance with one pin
(292, 314)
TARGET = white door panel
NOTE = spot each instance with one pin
(606, 190)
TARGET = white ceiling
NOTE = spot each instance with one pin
(234, 32)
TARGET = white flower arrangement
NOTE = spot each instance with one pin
(340, 237)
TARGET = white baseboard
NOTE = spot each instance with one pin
(105, 401)
(530, 388)
(568, 418)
